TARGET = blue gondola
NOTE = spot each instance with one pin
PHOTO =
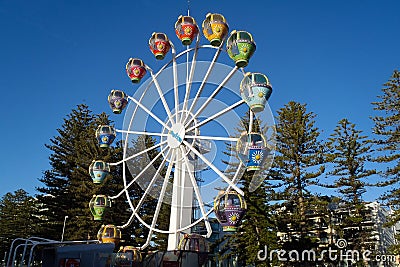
(255, 89)
(105, 135)
(251, 150)
(99, 170)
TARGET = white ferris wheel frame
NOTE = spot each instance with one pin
(180, 218)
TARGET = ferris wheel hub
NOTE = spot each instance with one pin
(176, 135)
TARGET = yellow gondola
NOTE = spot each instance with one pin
(136, 255)
(109, 234)
(215, 28)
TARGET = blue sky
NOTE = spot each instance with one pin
(54, 55)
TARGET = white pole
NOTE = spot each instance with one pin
(182, 198)
(65, 220)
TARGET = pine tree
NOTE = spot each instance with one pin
(258, 226)
(297, 165)
(17, 218)
(387, 129)
(349, 153)
(68, 187)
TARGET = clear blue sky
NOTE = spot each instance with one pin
(54, 55)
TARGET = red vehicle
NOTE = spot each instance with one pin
(186, 29)
(159, 45)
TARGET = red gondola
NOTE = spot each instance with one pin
(159, 45)
(186, 29)
(135, 68)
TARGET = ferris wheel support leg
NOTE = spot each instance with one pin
(181, 205)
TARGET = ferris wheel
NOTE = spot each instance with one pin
(191, 129)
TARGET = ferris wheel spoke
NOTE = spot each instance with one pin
(216, 115)
(198, 195)
(215, 138)
(175, 74)
(150, 113)
(139, 153)
(148, 189)
(251, 119)
(210, 68)
(160, 198)
(141, 173)
(189, 78)
(141, 132)
(212, 166)
(210, 98)
(236, 177)
(160, 93)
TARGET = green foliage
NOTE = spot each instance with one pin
(258, 226)
(282, 203)
(387, 129)
(17, 218)
(297, 165)
(68, 186)
(349, 151)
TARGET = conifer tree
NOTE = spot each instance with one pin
(56, 195)
(387, 129)
(258, 226)
(68, 186)
(17, 218)
(349, 153)
(297, 164)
